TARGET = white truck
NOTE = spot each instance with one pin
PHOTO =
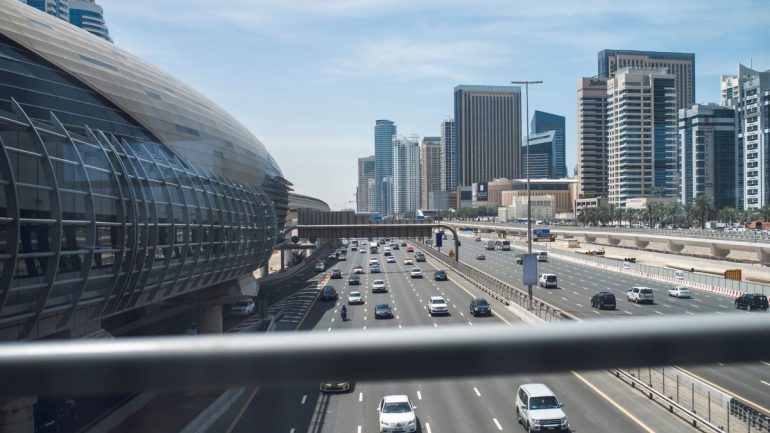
(489, 244)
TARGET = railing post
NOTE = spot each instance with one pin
(709, 406)
(677, 387)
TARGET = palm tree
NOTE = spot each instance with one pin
(703, 209)
(765, 212)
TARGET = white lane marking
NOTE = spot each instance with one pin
(719, 312)
(399, 326)
(766, 363)
(628, 312)
(427, 427)
(461, 313)
(692, 314)
(360, 399)
(578, 305)
(359, 429)
(332, 319)
(291, 431)
(768, 384)
(499, 427)
(658, 312)
(563, 298)
(330, 329)
(595, 311)
(419, 395)
(304, 398)
(470, 323)
(435, 325)
(476, 390)
(364, 327)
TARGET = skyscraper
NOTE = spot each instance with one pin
(85, 14)
(592, 137)
(430, 168)
(680, 65)
(541, 155)
(641, 134)
(365, 174)
(543, 122)
(448, 156)
(707, 155)
(749, 94)
(384, 131)
(487, 133)
(406, 175)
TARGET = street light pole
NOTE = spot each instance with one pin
(529, 191)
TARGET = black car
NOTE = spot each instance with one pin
(354, 280)
(329, 294)
(603, 300)
(336, 274)
(394, 247)
(419, 257)
(751, 301)
(480, 307)
(481, 257)
(383, 311)
(54, 415)
(440, 276)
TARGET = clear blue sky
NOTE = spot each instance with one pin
(309, 78)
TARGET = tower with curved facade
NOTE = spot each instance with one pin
(120, 186)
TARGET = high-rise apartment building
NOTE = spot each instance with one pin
(707, 155)
(384, 131)
(448, 156)
(406, 175)
(748, 93)
(641, 134)
(540, 155)
(85, 14)
(365, 174)
(430, 168)
(543, 122)
(592, 136)
(487, 133)
(680, 65)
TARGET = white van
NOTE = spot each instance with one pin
(538, 409)
(547, 280)
(542, 256)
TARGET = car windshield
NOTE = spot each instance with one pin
(437, 301)
(550, 278)
(355, 294)
(241, 304)
(401, 407)
(382, 307)
(646, 291)
(543, 403)
(481, 303)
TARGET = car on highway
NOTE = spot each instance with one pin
(394, 246)
(358, 270)
(416, 273)
(680, 292)
(378, 286)
(328, 293)
(477, 239)
(332, 256)
(243, 308)
(440, 276)
(353, 248)
(519, 259)
(374, 261)
(336, 273)
(419, 257)
(408, 261)
(362, 250)
(410, 249)
(397, 414)
(751, 301)
(342, 257)
(538, 409)
(403, 244)
(542, 256)
(375, 269)
(390, 259)
(603, 300)
(386, 251)
(354, 280)
(355, 297)
(547, 280)
(320, 267)
(437, 305)
(481, 257)
(383, 311)
(335, 386)
(640, 295)
(480, 307)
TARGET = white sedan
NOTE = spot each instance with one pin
(416, 273)
(355, 298)
(378, 286)
(397, 414)
(680, 292)
(390, 259)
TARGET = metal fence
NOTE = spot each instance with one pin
(685, 278)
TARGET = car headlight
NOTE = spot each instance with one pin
(413, 422)
(536, 421)
(385, 423)
(564, 420)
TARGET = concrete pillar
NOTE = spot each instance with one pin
(719, 252)
(210, 319)
(589, 238)
(283, 259)
(640, 243)
(763, 254)
(675, 247)
(613, 241)
(17, 414)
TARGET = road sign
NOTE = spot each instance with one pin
(376, 218)
(439, 239)
(451, 254)
(420, 218)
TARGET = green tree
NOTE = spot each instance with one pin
(764, 211)
(703, 209)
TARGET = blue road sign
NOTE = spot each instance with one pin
(376, 218)
(439, 239)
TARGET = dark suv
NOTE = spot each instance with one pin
(480, 307)
(329, 294)
(752, 301)
(603, 300)
(336, 273)
(419, 257)
(440, 276)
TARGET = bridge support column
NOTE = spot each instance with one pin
(640, 243)
(674, 247)
(613, 241)
(17, 414)
(210, 319)
(589, 238)
(764, 255)
(719, 252)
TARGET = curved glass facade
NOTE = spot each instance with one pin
(99, 215)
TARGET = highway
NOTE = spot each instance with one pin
(577, 283)
(594, 401)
